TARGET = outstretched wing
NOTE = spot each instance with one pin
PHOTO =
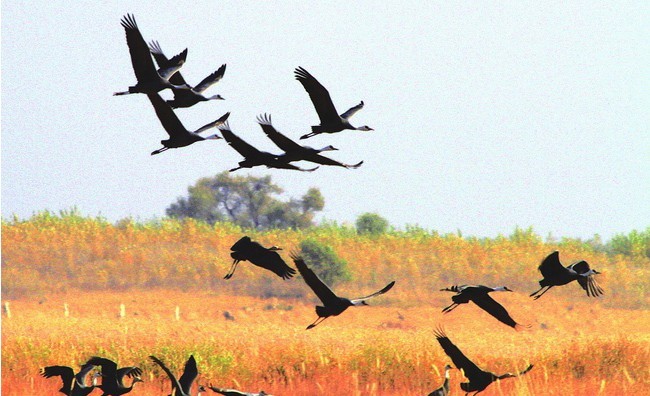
(588, 283)
(489, 305)
(166, 115)
(189, 375)
(213, 124)
(227, 392)
(241, 146)
(172, 378)
(129, 371)
(280, 140)
(322, 291)
(211, 79)
(551, 265)
(359, 300)
(66, 373)
(319, 95)
(460, 360)
(352, 110)
(241, 243)
(163, 63)
(140, 57)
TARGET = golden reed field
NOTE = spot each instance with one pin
(64, 279)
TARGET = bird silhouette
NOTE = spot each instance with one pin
(113, 378)
(333, 305)
(234, 392)
(294, 151)
(444, 389)
(478, 379)
(73, 384)
(330, 120)
(557, 275)
(267, 258)
(479, 295)
(183, 385)
(186, 97)
(254, 157)
(149, 79)
(178, 135)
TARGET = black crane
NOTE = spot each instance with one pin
(444, 389)
(555, 274)
(479, 295)
(330, 120)
(183, 385)
(73, 384)
(254, 157)
(267, 258)
(296, 152)
(113, 378)
(178, 135)
(187, 97)
(333, 305)
(478, 379)
(234, 392)
(149, 79)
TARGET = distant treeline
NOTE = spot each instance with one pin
(65, 252)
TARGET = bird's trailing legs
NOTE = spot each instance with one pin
(450, 308)
(316, 322)
(231, 272)
(536, 296)
(159, 150)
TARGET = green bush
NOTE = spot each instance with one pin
(323, 260)
(371, 224)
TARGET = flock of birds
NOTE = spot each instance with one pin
(150, 81)
(245, 249)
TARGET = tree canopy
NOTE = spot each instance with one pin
(247, 201)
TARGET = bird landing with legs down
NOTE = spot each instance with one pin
(555, 274)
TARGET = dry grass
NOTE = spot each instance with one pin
(577, 348)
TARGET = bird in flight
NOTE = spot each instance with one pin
(333, 305)
(330, 120)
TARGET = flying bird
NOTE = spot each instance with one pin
(186, 97)
(73, 384)
(268, 258)
(183, 385)
(479, 295)
(178, 135)
(333, 305)
(294, 151)
(478, 379)
(234, 392)
(557, 275)
(113, 378)
(330, 120)
(149, 79)
(254, 157)
(444, 389)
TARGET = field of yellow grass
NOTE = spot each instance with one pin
(65, 278)
(577, 348)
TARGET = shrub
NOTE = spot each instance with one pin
(371, 224)
(324, 261)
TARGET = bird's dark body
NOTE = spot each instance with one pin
(555, 274)
(246, 249)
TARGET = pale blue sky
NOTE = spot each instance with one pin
(487, 115)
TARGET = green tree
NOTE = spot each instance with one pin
(247, 201)
(324, 261)
(371, 224)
